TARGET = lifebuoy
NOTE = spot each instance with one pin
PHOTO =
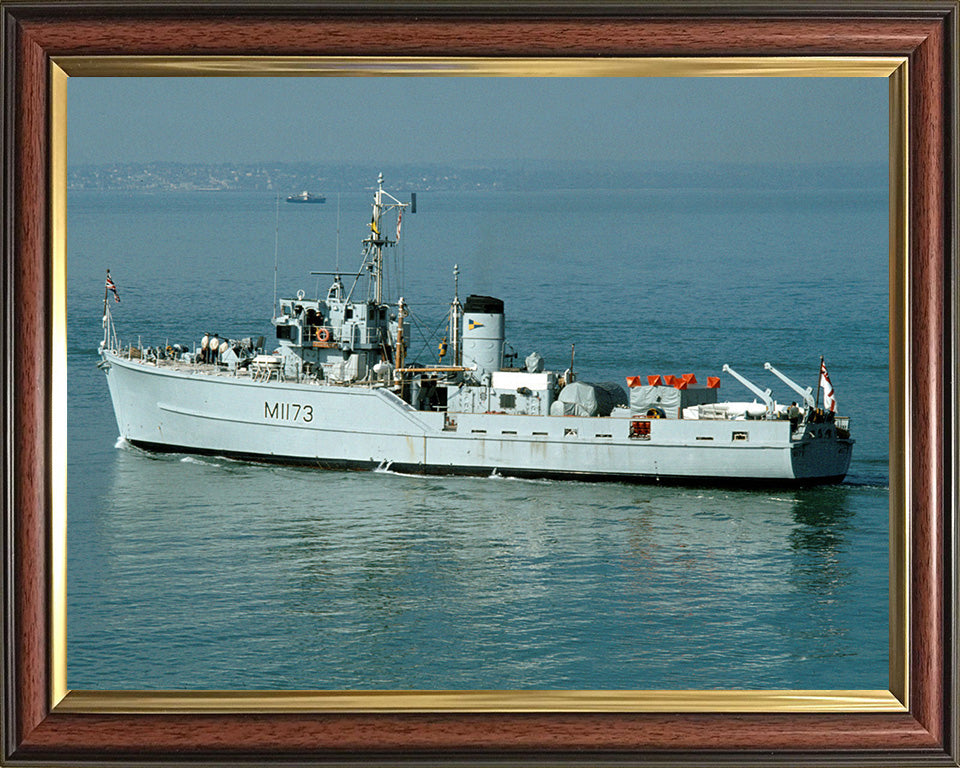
(323, 334)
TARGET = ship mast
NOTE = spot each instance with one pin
(378, 243)
(376, 240)
(456, 312)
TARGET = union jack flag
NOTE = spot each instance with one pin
(112, 287)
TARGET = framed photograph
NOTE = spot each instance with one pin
(137, 583)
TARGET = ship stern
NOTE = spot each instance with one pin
(821, 459)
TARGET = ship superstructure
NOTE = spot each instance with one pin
(336, 389)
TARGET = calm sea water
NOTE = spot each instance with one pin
(199, 573)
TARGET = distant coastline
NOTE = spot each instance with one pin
(291, 178)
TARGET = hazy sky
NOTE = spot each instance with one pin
(428, 119)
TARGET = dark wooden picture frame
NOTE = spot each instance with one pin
(35, 732)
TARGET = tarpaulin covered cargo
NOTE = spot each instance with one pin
(670, 400)
(582, 398)
(534, 362)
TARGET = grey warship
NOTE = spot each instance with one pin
(337, 391)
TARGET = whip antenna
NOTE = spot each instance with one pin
(338, 233)
(276, 256)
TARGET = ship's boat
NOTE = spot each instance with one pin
(335, 389)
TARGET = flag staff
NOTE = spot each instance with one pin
(819, 379)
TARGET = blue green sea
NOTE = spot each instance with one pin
(204, 573)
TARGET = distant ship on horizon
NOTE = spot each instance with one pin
(306, 197)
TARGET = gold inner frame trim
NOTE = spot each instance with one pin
(58, 381)
(900, 394)
(141, 702)
(383, 702)
(421, 66)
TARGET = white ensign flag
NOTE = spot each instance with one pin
(829, 401)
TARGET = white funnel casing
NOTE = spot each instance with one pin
(483, 334)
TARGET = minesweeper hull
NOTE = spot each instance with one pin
(183, 409)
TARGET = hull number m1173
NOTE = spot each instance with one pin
(288, 411)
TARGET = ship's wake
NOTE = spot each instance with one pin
(384, 468)
(198, 460)
(495, 475)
